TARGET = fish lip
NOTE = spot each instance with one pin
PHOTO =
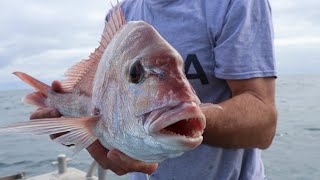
(161, 106)
(164, 117)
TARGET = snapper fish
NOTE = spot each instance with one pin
(130, 94)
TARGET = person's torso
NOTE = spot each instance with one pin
(184, 25)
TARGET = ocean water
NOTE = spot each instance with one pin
(294, 154)
(29, 153)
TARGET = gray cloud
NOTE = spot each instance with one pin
(44, 38)
(296, 18)
(297, 32)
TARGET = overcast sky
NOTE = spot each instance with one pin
(44, 38)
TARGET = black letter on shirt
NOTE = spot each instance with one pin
(192, 58)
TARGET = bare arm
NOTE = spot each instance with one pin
(248, 119)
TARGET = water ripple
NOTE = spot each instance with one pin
(312, 129)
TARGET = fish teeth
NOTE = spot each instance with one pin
(196, 133)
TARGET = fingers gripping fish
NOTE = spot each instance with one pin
(131, 94)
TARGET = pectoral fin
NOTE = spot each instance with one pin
(79, 130)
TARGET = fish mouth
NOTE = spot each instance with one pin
(181, 125)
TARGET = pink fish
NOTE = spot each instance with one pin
(131, 94)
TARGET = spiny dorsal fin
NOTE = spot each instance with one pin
(80, 76)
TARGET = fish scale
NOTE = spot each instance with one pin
(129, 90)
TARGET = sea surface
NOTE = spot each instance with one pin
(294, 154)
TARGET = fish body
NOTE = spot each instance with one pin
(131, 95)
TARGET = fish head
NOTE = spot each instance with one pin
(150, 111)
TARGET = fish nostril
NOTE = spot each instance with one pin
(96, 111)
(155, 72)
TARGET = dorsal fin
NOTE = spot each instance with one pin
(80, 76)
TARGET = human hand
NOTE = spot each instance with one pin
(114, 160)
(118, 162)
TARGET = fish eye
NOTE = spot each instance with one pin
(136, 72)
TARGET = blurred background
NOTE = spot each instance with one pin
(44, 38)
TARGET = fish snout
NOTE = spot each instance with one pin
(179, 126)
(179, 89)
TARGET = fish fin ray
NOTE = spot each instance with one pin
(36, 98)
(80, 76)
(78, 130)
(38, 85)
(84, 143)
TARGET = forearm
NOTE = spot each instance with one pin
(245, 121)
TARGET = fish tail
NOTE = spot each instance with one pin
(36, 98)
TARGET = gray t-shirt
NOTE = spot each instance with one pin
(219, 40)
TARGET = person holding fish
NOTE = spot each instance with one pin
(131, 106)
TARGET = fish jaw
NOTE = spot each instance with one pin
(180, 125)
